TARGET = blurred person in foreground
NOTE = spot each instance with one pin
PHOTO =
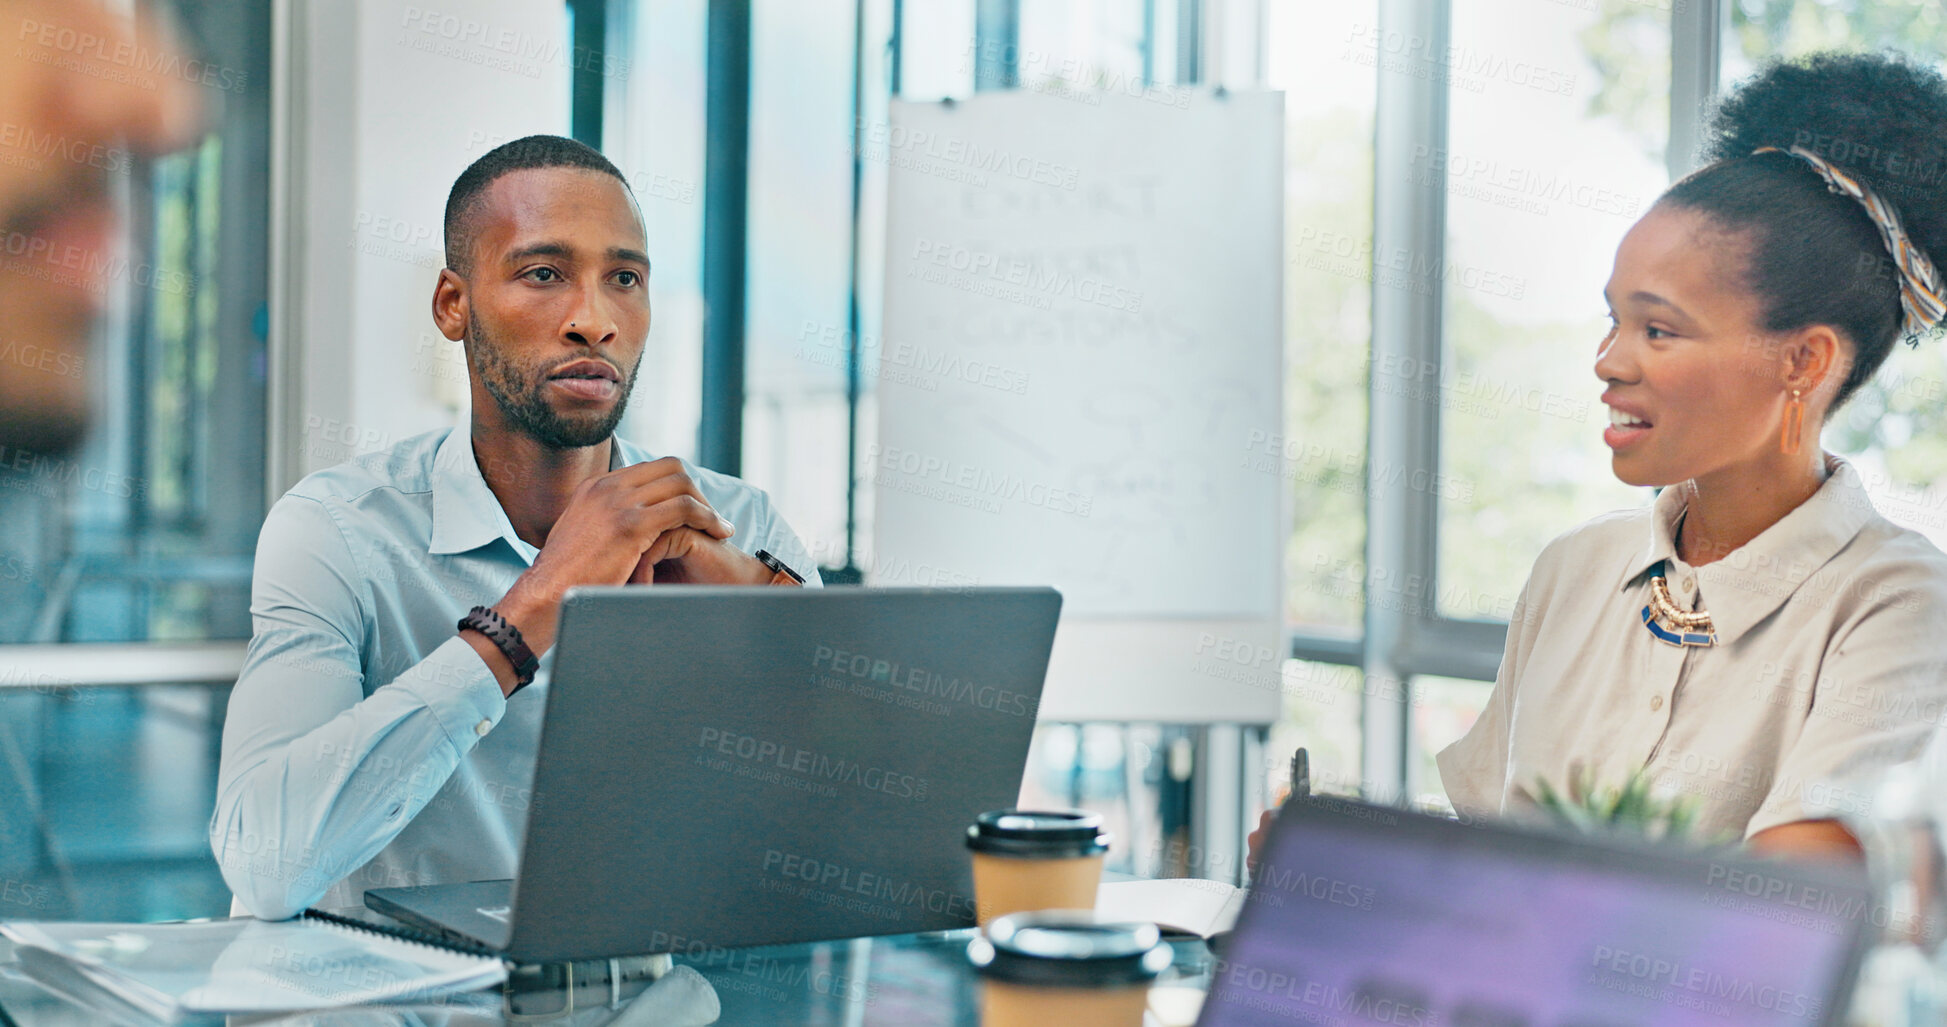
(1759, 642)
(73, 105)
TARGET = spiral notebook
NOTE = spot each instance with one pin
(169, 972)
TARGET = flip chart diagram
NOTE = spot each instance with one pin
(1082, 332)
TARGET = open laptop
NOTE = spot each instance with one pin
(1363, 914)
(727, 767)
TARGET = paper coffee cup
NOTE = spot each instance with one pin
(1066, 967)
(1035, 859)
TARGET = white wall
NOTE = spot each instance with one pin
(384, 104)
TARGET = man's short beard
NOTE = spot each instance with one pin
(519, 391)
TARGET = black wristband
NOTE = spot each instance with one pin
(507, 638)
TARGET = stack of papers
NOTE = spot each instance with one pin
(1177, 905)
(166, 972)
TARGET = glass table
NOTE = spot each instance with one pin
(912, 980)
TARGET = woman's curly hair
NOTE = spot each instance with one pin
(1813, 256)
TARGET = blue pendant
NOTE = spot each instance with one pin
(1675, 638)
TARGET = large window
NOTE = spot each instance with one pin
(1554, 149)
(801, 222)
(1316, 56)
(1558, 117)
(653, 128)
(146, 533)
(1521, 140)
(107, 799)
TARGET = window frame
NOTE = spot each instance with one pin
(1395, 643)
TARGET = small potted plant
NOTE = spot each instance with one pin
(1637, 808)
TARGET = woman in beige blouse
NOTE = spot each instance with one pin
(1761, 639)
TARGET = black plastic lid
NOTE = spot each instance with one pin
(1069, 948)
(1039, 834)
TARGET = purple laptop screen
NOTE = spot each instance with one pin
(1415, 925)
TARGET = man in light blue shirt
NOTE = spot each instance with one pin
(370, 744)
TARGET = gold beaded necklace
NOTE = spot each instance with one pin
(1673, 624)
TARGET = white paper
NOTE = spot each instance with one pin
(1186, 905)
(252, 966)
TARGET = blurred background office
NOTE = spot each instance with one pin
(1456, 177)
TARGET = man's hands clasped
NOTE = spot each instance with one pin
(646, 523)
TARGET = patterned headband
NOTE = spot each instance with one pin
(1920, 283)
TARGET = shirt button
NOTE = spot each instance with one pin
(1656, 702)
(1689, 583)
(483, 727)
